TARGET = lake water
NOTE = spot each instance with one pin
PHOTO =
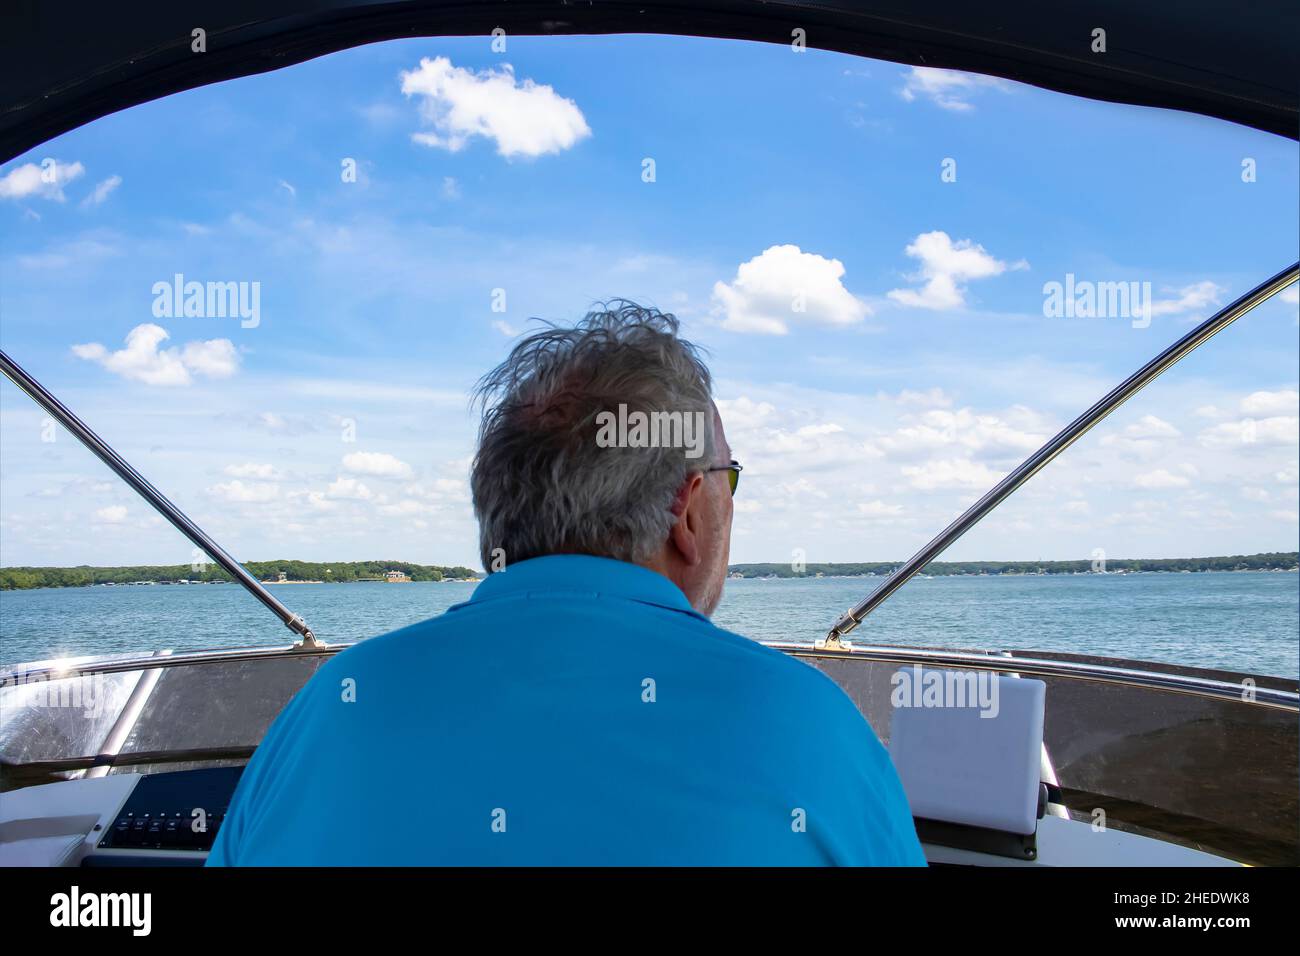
(1236, 621)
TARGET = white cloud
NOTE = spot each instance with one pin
(505, 328)
(783, 285)
(102, 191)
(1189, 298)
(948, 88)
(1271, 432)
(1291, 294)
(143, 361)
(215, 358)
(254, 470)
(523, 119)
(945, 268)
(379, 464)
(450, 188)
(951, 473)
(801, 489)
(1160, 478)
(741, 414)
(113, 514)
(405, 508)
(930, 398)
(318, 501)
(45, 182)
(879, 509)
(1149, 427)
(976, 434)
(828, 428)
(1144, 437)
(349, 488)
(1271, 403)
(441, 490)
(240, 492)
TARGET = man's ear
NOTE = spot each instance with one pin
(685, 531)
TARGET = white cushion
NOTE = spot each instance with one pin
(973, 765)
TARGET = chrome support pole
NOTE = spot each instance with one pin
(82, 432)
(1067, 437)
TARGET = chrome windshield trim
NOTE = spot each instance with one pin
(998, 660)
(123, 469)
(1063, 440)
(1239, 693)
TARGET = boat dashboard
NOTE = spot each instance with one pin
(126, 819)
(172, 818)
(118, 820)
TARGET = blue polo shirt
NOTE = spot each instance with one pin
(575, 711)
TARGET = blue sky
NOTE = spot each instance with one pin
(918, 366)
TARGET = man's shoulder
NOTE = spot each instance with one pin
(391, 648)
(744, 657)
(800, 675)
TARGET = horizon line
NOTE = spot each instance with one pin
(1108, 560)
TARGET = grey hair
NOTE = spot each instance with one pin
(541, 482)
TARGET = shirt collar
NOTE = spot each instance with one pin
(582, 574)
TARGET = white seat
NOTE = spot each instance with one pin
(971, 764)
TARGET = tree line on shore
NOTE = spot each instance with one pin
(1270, 561)
(345, 571)
(20, 578)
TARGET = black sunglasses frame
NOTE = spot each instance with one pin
(733, 471)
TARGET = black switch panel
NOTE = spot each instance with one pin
(160, 813)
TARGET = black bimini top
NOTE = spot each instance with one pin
(68, 63)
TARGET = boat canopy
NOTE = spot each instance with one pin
(1232, 61)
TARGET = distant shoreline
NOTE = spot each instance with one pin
(734, 576)
(1267, 561)
(267, 572)
(351, 572)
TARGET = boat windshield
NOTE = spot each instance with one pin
(273, 296)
